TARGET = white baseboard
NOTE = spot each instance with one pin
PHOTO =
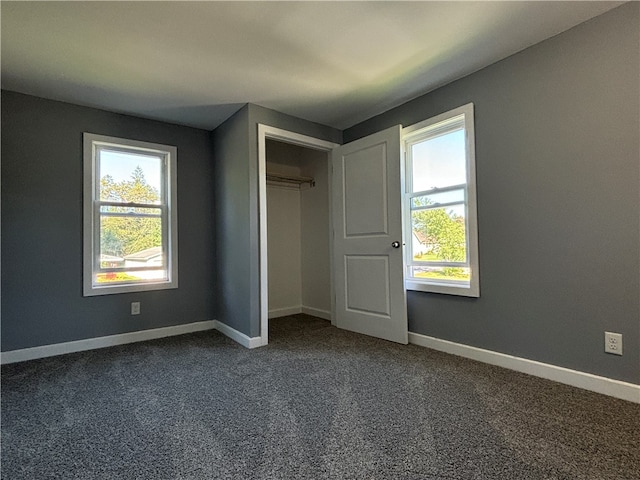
(587, 381)
(44, 351)
(101, 342)
(316, 312)
(239, 337)
(283, 312)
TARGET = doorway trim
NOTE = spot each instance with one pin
(285, 136)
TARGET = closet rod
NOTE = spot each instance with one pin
(276, 177)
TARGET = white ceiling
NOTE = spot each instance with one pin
(196, 63)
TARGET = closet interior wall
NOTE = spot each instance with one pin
(299, 276)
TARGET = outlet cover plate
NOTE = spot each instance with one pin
(613, 343)
(135, 308)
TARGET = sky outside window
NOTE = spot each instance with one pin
(439, 162)
(120, 167)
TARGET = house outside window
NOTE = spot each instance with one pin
(440, 205)
(130, 216)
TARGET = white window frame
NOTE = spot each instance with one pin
(91, 227)
(415, 134)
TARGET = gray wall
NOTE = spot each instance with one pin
(231, 158)
(557, 152)
(235, 145)
(42, 300)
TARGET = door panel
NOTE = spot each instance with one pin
(367, 289)
(365, 192)
(367, 219)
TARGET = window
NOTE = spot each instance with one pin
(130, 220)
(441, 233)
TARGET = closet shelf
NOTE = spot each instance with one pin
(289, 179)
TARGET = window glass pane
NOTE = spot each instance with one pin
(129, 177)
(131, 242)
(439, 162)
(439, 235)
(435, 199)
(457, 274)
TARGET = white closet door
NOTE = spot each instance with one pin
(367, 246)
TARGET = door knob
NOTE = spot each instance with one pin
(395, 244)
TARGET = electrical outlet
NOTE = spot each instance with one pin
(135, 308)
(613, 343)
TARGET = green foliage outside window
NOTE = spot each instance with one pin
(444, 236)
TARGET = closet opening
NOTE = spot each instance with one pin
(298, 261)
(295, 226)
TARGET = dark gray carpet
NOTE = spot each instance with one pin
(317, 403)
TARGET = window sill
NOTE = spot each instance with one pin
(463, 290)
(90, 291)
